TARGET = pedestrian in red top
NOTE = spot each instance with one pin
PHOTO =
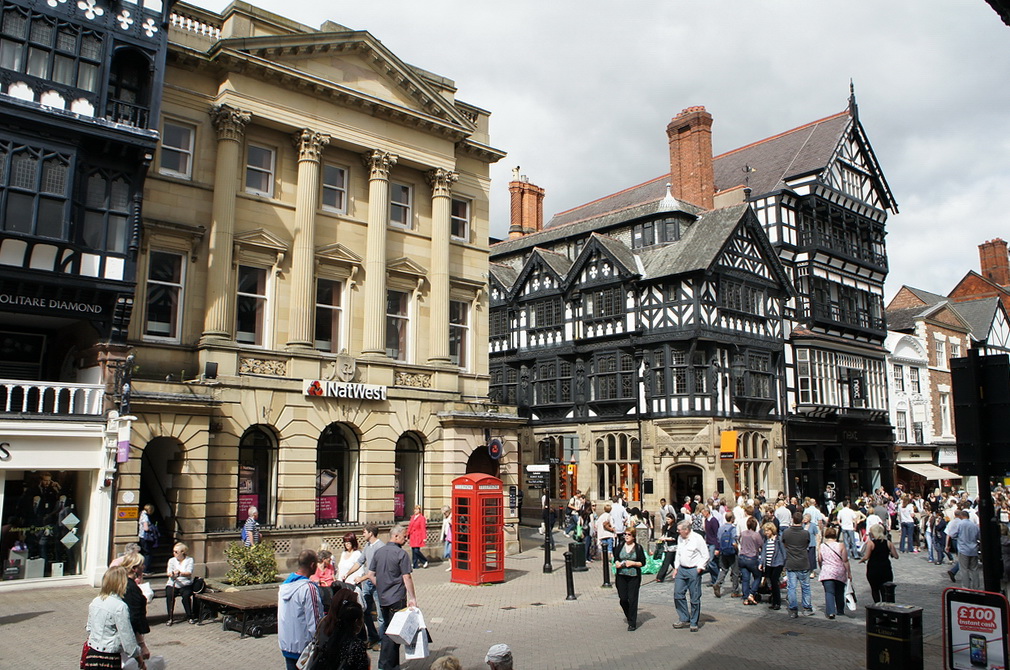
(417, 534)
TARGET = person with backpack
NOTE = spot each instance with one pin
(796, 541)
(726, 553)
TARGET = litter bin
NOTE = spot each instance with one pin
(578, 550)
(893, 637)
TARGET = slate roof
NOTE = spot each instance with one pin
(505, 274)
(901, 320)
(558, 262)
(620, 251)
(926, 296)
(979, 314)
(698, 246)
(774, 160)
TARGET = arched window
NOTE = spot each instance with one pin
(336, 475)
(257, 473)
(408, 487)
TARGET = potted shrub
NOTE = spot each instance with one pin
(250, 565)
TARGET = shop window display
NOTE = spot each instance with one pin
(40, 530)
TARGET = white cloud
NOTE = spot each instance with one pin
(581, 92)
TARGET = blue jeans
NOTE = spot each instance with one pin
(834, 596)
(447, 550)
(371, 600)
(803, 577)
(907, 528)
(713, 564)
(850, 543)
(290, 663)
(750, 576)
(688, 580)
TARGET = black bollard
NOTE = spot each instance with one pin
(569, 578)
(887, 592)
(547, 552)
(606, 565)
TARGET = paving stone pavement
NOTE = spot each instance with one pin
(44, 628)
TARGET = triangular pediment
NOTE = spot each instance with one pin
(603, 260)
(747, 251)
(338, 253)
(354, 65)
(261, 238)
(406, 266)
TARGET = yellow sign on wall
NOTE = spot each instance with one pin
(124, 513)
(727, 450)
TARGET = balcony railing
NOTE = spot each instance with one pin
(51, 398)
(854, 251)
(847, 317)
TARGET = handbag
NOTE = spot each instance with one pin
(309, 656)
(84, 653)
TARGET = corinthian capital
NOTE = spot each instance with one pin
(441, 181)
(229, 122)
(378, 163)
(309, 144)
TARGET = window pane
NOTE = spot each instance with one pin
(54, 177)
(14, 23)
(38, 62)
(94, 230)
(163, 294)
(24, 170)
(63, 70)
(87, 77)
(117, 234)
(10, 55)
(50, 223)
(91, 47)
(66, 40)
(42, 32)
(260, 157)
(19, 213)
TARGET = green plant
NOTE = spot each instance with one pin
(251, 565)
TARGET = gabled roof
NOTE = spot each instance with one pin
(557, 262)
(766, 165)
(506, 275)
(926, 296)
(979, 314)
(619, 251)
(698, 247)
(902, 320)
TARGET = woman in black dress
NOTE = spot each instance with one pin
(137, 601)
(628, 561)
(877, 555)
(341, 645)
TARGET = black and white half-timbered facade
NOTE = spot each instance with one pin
(823, 200)
(80, 85)
(637, 342)
(728, 337)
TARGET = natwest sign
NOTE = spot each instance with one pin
(346, 390)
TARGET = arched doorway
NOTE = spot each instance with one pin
(156, 485)
(257, 473)
(685, 481)
(408, 488)
(480, 461)
(337, 474)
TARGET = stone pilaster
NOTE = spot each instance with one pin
(310, 146)
(230, 124)
(441, 182)
(378, 164)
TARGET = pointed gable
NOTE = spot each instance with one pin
(603, 260)
(544, 272)
(908, 297)
(974, 286)
(501, 280)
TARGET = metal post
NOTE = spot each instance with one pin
(606, 565)
(548, 533)
(569, 578)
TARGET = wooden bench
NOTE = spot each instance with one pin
(253, 608)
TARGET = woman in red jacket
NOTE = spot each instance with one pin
(417, 533)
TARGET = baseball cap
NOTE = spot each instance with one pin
(498, 653)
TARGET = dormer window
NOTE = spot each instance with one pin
(651, 233)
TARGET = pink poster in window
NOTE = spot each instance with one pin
(399, 505)
(244, 503)
(326, 507)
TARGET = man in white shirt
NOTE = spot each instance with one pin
(605, 529)
(816, 516)
(847, 520)
(618, 515)
(689, 564)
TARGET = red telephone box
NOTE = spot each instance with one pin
(478, 530)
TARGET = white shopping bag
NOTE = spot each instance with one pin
(153, 663)
(850, 596)
(402, 629)
(420, 647)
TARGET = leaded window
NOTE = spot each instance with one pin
(56, 51)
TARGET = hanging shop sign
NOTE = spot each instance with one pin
(343, 390)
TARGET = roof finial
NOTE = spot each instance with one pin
(669, 203)
(853, 108)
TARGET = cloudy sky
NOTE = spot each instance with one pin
(581, 92)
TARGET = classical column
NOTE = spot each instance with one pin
(302, 308)
(378, 164)
(229, 123)
(438, 298)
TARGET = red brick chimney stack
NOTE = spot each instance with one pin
(994, 262)
(527, 206)
(690, 135)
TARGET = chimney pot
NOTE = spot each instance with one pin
(994, 262)
(691, 170)
(527, 210)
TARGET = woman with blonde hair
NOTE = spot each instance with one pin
(773, 558)
(877, 555)
(180, 580)
(109, 631)
(136, 600)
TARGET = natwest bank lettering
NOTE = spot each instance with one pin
(328, 389)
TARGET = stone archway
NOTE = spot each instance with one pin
(685, 480)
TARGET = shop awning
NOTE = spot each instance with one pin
(929, 471)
